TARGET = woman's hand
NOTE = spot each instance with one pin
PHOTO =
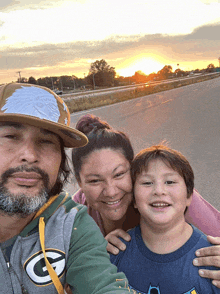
(209, 256)
(114, 243)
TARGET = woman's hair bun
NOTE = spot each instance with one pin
(89, 122)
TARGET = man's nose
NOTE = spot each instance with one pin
(28, 152)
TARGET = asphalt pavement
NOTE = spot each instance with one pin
(187, 118)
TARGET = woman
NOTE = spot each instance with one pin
(102, 170)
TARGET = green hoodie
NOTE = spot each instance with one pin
(62, 245)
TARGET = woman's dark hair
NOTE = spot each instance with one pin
(170, 157)
(101, 136)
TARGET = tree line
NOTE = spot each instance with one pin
(101, 74)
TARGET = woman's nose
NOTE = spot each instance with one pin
(110, 189)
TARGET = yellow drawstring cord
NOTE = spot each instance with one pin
(50, 269)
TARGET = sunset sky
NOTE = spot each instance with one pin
(63, 37)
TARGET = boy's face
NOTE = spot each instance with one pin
(161, 195)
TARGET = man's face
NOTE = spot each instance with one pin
(30, 159)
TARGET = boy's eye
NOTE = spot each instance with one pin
(148, 183)
(170, 182)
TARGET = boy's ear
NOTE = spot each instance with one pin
(189, 200)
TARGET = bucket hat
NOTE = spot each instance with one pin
(40, 107)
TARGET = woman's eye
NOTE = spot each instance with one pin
(93, 181)
(119, 174)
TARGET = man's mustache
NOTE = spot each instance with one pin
(23, 168)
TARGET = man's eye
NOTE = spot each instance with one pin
(10, 136)
(46, 141)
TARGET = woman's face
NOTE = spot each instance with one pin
(106, 182)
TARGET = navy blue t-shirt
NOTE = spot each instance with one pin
(173, 273)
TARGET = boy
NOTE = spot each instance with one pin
(158, 259)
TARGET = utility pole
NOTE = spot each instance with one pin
(61, 88)
(52, 83)
(74, 84)
(93, 76)
(19, 73)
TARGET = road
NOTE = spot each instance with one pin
(187, 118)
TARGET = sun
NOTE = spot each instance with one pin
(145, 64)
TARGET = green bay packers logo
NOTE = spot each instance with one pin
(36, 269)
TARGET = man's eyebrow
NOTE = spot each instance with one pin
(11, 124)
(47, 132)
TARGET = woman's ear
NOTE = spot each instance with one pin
(135, 205)
(79, 182)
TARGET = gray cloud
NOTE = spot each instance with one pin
(193, 47)
(4, 4)
(24, 4)
(207, 32)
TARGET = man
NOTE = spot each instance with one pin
(47, 240)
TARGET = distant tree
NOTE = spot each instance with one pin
(152, 77)
(210, 67)
(49, 82)
(22, 80)
(179, 73)
(32, 80)
(102, 73)
(120, 80)
(165, 72)
(140, 77)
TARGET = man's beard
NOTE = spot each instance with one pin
(20, 204)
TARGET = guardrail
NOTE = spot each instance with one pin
(97, 98)
(152, 83)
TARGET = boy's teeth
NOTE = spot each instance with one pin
(111, 203)
(160, 204)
